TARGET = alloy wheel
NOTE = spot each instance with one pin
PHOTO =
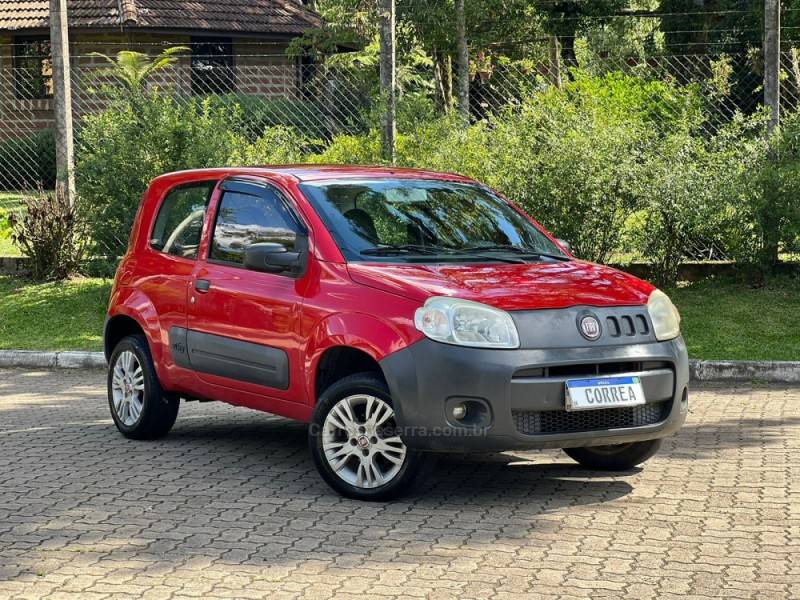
(360, 441)
(127, 388)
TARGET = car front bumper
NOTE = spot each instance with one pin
(520, 395)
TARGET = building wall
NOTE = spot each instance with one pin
(261, 68)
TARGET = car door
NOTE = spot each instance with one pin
(164, 269)
(244, 326)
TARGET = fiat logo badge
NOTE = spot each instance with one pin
(589, 327)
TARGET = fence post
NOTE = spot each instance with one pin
(62, 96)
(388, 80)
(463, 62)
(772, 61)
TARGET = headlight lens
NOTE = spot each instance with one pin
(665, 317)
(466, 323)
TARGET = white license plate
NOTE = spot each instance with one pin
(603, 392)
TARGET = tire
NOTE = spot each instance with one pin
(622, 457)
(352, 454)
(141, 409)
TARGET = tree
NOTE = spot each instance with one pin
(132, 69)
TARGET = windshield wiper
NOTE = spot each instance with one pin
(404, 249)
(429, 249)
(514, 249)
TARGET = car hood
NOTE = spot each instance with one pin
(508, 286)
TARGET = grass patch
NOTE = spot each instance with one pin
(725, 319)
(6, 247)
(11, 200)
(52, 316)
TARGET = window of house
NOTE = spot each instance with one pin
(179, 224)
(244, 219)
(33, 69)
(212, 66)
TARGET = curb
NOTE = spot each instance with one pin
(772, 371)
(52, 360)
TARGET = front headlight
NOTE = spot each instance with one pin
(665, 317)
(466, 323)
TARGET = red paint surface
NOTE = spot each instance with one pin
(366, 306)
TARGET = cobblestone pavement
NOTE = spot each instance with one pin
(229, 505)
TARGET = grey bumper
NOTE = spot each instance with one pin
(523, 395)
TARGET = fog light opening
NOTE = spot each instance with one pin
(472, 413)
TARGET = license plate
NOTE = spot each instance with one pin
(603, 392)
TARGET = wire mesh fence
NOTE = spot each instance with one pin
(332, 97)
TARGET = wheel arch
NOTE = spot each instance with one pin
(132, 309)
(345, 344)
(116, 328)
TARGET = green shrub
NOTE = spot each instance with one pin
(767, 214)
(257, 114)
(51, 232)
(29, 161)
(278, 145)
(351, 149)
(130, 143)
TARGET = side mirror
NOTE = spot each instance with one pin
(270, 257)
(567, 246)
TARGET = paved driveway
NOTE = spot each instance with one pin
(229, 505)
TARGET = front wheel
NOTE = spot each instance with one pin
(140, 408)
(619, 457)
(355, 443)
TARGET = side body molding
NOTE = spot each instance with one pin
(230, 358)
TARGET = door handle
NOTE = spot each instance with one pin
(202, 285)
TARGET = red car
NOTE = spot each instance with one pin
(396, 311)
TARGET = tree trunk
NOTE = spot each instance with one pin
(443, 81)
(463, 62)
(388, 80)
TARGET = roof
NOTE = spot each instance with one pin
(229, 16)
(308, 172)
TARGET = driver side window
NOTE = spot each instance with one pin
(245, 219)
(179, 223)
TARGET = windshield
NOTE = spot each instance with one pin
(407, 220)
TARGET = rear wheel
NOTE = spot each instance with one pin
(355, 443)
(619, 457)
(140, 408)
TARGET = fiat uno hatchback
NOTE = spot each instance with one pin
(397, 312)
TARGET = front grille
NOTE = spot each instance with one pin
(561, 421)
(627, 325)
(588, 369)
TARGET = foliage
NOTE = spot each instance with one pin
(131, 142)
(29, 160)
(767, 213)
(127, 145)
(51, 232)
(277, 145)
(133, 69)
(63, 315)
(257, 113)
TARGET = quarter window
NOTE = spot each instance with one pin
(180, 219)
(245, 219)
